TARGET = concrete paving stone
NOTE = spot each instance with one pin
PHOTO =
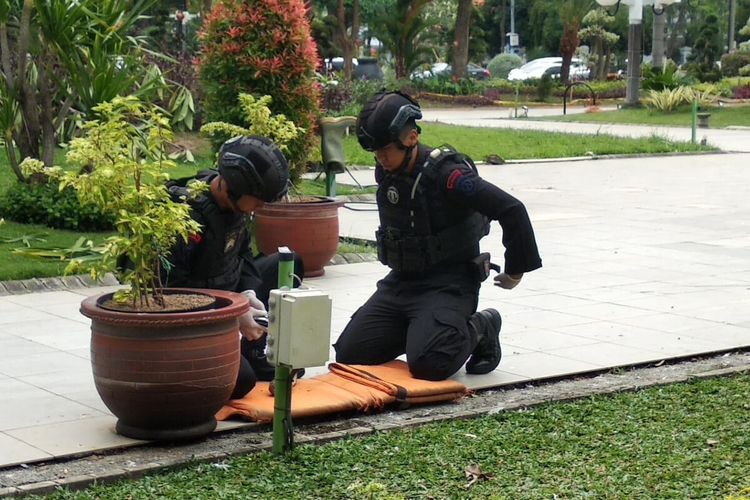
(72, 282)
(40, 300)
(13, 347)
(22, 315)
(15, 451)
(543, 340)
(39, 408)
(62, 334)
(608, 354)
(668, 322)
(540, 365)
(74, 436)
(497, 378)
(3, 290)
(43, 362)
(607, 311)
(62, 382)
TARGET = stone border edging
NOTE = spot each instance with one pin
(132, 463)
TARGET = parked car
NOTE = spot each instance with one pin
(550, 66)
(365, 68)
(442, 69)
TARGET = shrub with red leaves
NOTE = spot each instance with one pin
(261, 47)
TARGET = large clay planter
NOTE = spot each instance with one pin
(310, 229)
(165, 375)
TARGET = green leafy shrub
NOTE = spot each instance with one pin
(732, 63)
(544, 88)
(667, 78)
(123, 157)
(261, 47)
(667, 99)
(260, 120)
(45, 203)
(501, 64)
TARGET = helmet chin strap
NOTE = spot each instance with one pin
(407, 155)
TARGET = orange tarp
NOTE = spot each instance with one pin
(346, 387)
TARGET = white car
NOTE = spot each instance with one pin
(550, 66)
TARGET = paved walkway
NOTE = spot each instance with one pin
(724, 139)
(644, 259)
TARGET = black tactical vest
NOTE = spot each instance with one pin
(216, 260)
(419, 228)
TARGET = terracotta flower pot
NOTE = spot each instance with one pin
(310, 229)
(165, 375)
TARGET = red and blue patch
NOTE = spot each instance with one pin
(457, 181)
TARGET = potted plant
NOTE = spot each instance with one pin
(164, 360)
(309, 225)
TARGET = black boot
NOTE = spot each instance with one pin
(487, 353)
(255, 352)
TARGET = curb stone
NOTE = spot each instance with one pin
(128, 463)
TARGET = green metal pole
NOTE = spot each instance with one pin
(695, 119)
(330, 183)
(283, 435)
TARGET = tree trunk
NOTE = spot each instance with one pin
(568, 45)
(503, 19)
(28, 138)
(46, 96)
(461, 42)
(347, 42)
(599, 51)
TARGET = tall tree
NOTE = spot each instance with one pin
(595, 24)
(57, 55)
(461, 41)
(347, 32)
(571, 14)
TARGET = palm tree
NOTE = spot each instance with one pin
(402, 29)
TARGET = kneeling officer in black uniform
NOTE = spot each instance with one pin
(251, 172)
(433, 208)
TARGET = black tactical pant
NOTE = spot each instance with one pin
(426, 318)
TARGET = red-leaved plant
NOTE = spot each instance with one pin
(261, 47)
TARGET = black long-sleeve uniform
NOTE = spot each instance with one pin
(425, 314)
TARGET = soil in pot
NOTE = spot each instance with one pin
(169, 302)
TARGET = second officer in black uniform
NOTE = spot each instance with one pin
(433, 208)
(251, 171)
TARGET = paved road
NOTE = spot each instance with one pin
(724, 139)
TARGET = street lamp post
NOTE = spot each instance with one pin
(635, 41)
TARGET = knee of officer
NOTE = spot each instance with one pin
(426, 369)
(246, 379)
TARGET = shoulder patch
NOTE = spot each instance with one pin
(453, 179)
(466, 185)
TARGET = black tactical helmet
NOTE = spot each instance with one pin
(384, 117)
(254, 166)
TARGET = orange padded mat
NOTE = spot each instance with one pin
(346, 387)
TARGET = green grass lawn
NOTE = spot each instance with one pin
(15, 267)
(681, 441)
(480, 142)
(720, 117)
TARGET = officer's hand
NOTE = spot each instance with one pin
(249, 328)
(508, 281)
(255, 303)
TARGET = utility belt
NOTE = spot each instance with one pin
(414, 254)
